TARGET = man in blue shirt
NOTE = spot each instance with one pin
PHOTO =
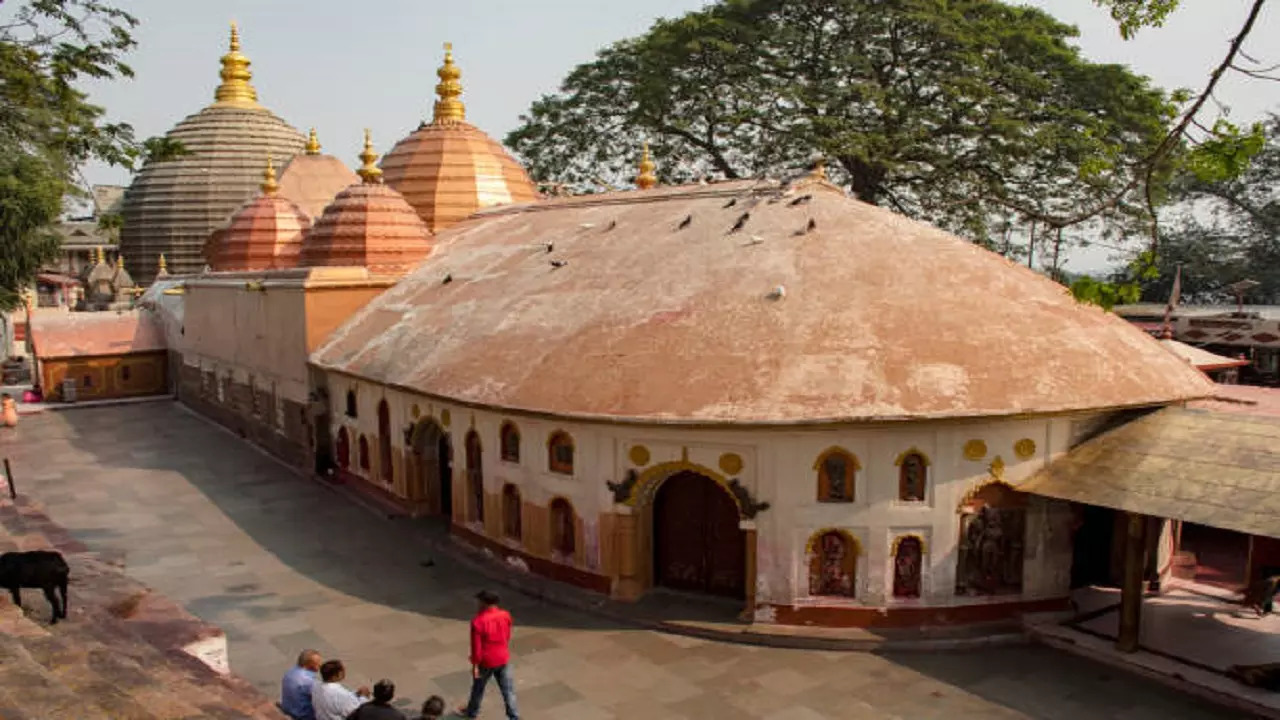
(295, 689)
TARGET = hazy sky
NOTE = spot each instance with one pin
(343, 66)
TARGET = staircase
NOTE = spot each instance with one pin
(120, 653)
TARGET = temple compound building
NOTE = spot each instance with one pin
(768, 392)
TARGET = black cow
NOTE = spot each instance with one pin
(42, 569)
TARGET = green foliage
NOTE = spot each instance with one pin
(1226, 153)
(970, 114)
(1121, 290)
(1224, 228)
(1133, 15)
(48, 128)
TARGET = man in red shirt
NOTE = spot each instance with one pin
(490, 657)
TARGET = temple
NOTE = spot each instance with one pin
(767, 392)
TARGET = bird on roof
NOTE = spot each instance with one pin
(559, 263)
(688, 220)
(802, 200)
(742, 220)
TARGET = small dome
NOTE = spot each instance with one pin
(120, 278)
(265, 234)
(173, 205)
(312, 179)
(368, 225)
(449, 169)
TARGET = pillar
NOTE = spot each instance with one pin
(1132, 585)
(748, 528)
(629, 582)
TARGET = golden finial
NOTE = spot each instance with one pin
(120, 261)
(646, 179)
(819, 171)
(313, 143)
(449, 108)
(235, 89)
(368, 171)
(161, 266)
(269, 185)
(102, 258)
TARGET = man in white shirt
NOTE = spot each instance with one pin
(331, 700)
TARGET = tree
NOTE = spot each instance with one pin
(1224, 230)
(48, 128)
(971, 114)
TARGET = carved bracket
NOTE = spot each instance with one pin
(622, 490)
(749, 505)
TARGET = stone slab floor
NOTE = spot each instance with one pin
(282, 563)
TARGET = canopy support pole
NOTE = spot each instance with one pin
(1131, 590)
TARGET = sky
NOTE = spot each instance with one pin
(344, 66)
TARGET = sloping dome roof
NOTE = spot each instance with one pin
(369, 225)
(724, 303)
(173, 205)
(449, 168)
(265, 234)
(312, 179)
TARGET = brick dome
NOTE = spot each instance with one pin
(370, 225)
(265, 234)
(448, 169)
(172, 206)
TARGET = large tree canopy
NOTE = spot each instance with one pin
(968, 113)
(1224, 231)
(48, 129)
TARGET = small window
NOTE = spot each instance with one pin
(510, 442)
(560, 452)
(351, 403)
(837, 470)
(511, 521)
(364, 453)
(563, 522)
(124, 373)
(87, 382)
(912, 476)
(384, 443)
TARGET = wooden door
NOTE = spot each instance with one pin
(697, 543)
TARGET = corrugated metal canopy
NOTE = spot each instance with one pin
(1215, 469)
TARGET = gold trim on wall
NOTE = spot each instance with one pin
(731, 463)
(1025, 448)
(975, 450)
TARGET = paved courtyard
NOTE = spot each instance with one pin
(282, 563)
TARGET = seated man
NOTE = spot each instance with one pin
(330, 699)
(295, 688)
(379, 708)
(433, 708)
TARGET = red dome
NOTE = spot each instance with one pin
(265, 234)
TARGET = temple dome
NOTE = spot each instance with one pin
(369, 225)
(265, 234)
(172, 206)
(743, 303)
(447, 169)
(312, 179)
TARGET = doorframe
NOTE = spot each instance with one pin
(428, 431)
(642, 499)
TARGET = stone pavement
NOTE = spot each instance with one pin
(282, 563)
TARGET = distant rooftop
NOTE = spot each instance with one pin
(1138, 310)
(89, 334)
(107, 199)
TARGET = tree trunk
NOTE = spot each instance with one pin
(865, 180)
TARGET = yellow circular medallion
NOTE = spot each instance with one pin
(639, 455)
(975, 450)
(1024, 448)
(731, 463)
(445, 417)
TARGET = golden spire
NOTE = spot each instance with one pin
(449, 108)
(102, 258)
(161, 266)
(368, 171)
(269, 185)
(235, 89)
(313, 143)
(819, 171)
(646, 179)
(120, 261)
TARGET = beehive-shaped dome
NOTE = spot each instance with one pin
(312, 179)
(447, 169)
(368, 225)
(265, 234)
(173, 205)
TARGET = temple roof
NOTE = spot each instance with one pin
(370, 225)
(265, 234)
(312, 179)
(173, 205)
(89, 334)
(447, 169)
(743, 303)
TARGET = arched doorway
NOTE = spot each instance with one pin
(697, 544)
(433, 463)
